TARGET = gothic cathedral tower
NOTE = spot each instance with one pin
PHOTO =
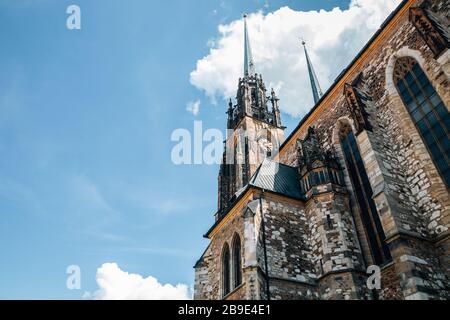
(355, 204)
(254, 130)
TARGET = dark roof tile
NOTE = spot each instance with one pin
(278, 178)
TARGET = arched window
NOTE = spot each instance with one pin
(237, 262)
(363, 193)
(226, 276)
(427, 111)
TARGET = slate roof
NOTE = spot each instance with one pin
(278, 178)
(273, 177)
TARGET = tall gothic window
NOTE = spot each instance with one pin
(237, 263)
(226, 276)
(427, 111)
(363, 192)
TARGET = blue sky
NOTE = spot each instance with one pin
(85, 123)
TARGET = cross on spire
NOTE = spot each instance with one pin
(249, 66)
(315, 86)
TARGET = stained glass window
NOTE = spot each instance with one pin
(363, 192)
(427, 111)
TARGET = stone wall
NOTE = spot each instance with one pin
(306, 257)
(203, 283)
(286, 241)
(390, 284)
(410, 195)
(238, 293)
(333, 237)
(208, 282)
(336, 251)
(344, 286)
(417, 263)
(292, 290)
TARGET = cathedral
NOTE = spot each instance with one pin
(362, 183)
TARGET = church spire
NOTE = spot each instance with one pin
(249, 67)
(317, 92)
(252, 99)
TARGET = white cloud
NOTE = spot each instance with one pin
(193, 107)
(116, 284)
(333, 38)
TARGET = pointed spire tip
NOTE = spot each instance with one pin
(303, 41)
(315, 86)
(249, 67)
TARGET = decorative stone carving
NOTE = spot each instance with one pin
(356, 103)
(432, 30)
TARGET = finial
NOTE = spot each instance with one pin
(303, 41)
(273, 95)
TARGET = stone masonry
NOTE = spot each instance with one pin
(308, 239)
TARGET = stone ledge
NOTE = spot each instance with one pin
(233, 291)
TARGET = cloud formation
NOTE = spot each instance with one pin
(116, 284)
(193, 107)
(333, 38)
